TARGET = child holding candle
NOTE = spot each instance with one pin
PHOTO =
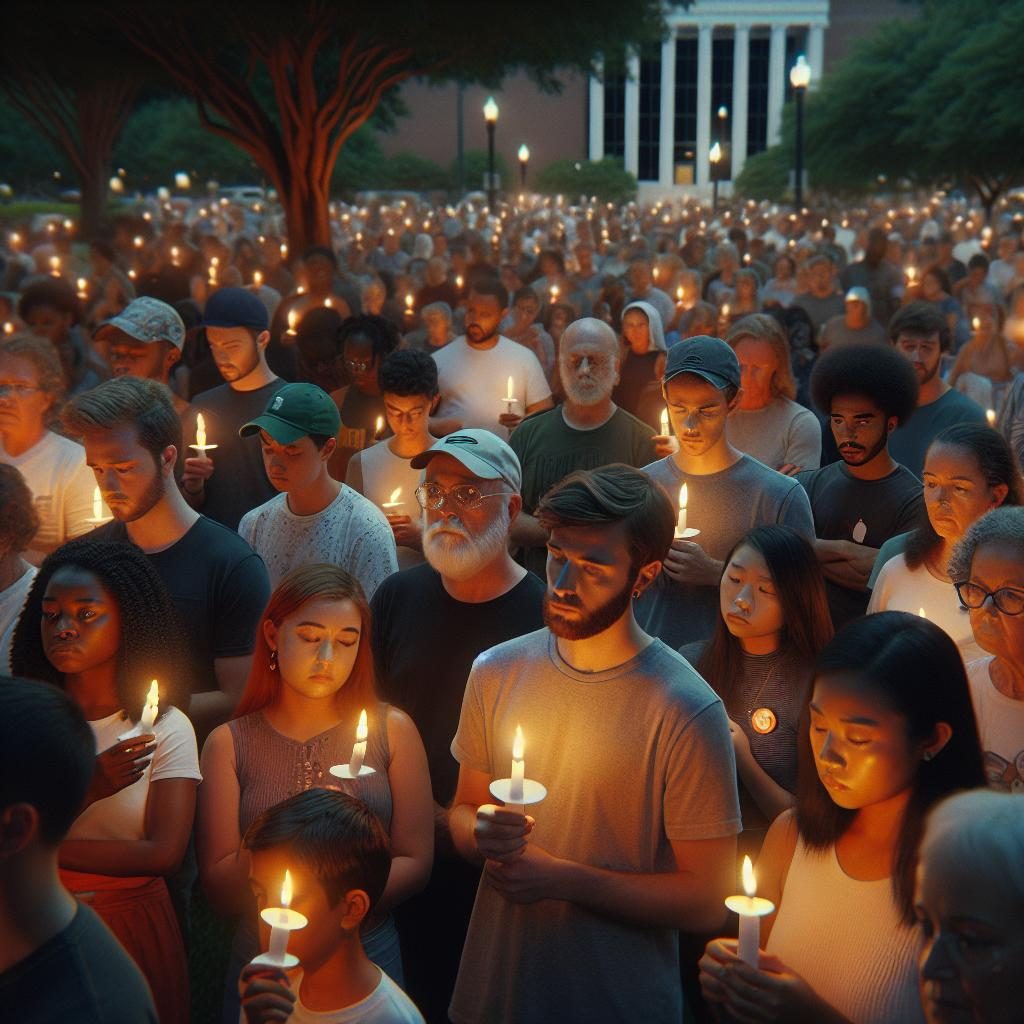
(312, 674)
(99, 624)
(891, 731)
(336, 851)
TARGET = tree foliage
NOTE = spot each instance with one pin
(607, 179)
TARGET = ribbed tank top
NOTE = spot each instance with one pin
(847, 940)
(271, 766)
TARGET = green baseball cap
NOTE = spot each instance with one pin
(296, 411)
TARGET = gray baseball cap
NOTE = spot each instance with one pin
(484, 454)
(859, 294)
(147, 320)
(707, 357)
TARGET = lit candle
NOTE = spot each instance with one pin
(679, 294)
(681, 522)
(518, 792)
(393, 501)
(378, 426)
(8, 327)
(150, 710)
(458, 281)
(664, 423)
(990, 415)
(175, 253)
(282, 920)
(55, 266)
(83, 288)
(355, 764)
(201, 446)
(257, 278)
(293, 319)
(510, 398)
(920, 611)
(554, 293)
(976, 323)
(97, 504)
(515, 790)
(725, 311)
(409, 301)
(328, 303)
(751, 908)
(911, 274)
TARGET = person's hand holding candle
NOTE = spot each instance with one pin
(265, 994)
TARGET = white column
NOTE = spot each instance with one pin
(597, 117)
(703, 175)
(632, 125)
(776, 82)
(667, 125)
(816, 53)
(740, 90)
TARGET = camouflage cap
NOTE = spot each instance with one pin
(147, 320)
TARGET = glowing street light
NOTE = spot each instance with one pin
(800, 79)
(491, 117)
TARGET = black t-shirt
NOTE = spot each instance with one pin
(239, 482)
(219, 587)
(80, 976)
(425, 643)
(867, 512)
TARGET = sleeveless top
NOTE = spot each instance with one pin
(272, 767)
(383, 473)
(847, 940)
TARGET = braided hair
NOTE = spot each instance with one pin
(151, 637)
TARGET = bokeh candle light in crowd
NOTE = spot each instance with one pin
(990, 415)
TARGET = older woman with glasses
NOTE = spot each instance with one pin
(988, 566)
(62, 485)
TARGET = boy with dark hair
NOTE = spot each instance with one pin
(58, 960)
(382, 472)
(866, 498)
(336, 852)
(920, 333)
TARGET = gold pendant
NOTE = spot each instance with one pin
(763, 720)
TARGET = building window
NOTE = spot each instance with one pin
(686, 108)
(649, 150)
(757, 95)
(615, 105)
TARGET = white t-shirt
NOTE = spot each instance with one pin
(123, 815)
(899, 588)
(62, 486)
(383, 474)
(12, 600)
(351, 533)
(1000, 728)
(473, 382)
(386, 1004)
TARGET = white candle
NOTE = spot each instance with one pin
(681, 522)
(990, 415)
(920, 611)
(97, 504)
(664, 422)
(282, 920)
(751, 908)
(378, 426)
(409, 302)
(554, 293)
(200, 431)
(510, 394)
(518, 767)
(393, 501)
(257, 278)
(152, 708)
(293, 319)
(359, 747)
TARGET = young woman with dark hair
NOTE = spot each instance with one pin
(99, 624)
(890, 732)
(312, 674)
(774, 623)
(969, 469)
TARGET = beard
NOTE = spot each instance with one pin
(458, 554)
(927, 373)
(154, 491)
(862, 454)
(588, 391)
(586, 626)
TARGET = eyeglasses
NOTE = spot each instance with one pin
(18, 390)
(466, 497)
(358, 366)
(1008, 600)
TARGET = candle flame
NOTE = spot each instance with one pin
(82, 284)
(409, 302)
(920, 611)
(976, 322)
(395, 495)
(749, 881)
(257, 278)
(990, 415)
(293, 319)
(153, 697)
(664, 421)
(97, 504)
(458, 280)
(286, 889)
(328, 303)
(725, 309)
(200, 431)
(679, 293)
(362, 730)
(682, 496)
(380, 424)
(518, 745)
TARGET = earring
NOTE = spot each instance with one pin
(636, 594)
(273, 661)
(928, 755)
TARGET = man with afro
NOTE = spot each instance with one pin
(865, 498)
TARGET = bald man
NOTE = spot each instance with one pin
(586, 431)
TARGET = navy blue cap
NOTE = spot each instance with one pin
(707, 357)
(235, 307)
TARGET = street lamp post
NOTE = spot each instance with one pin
(491, 117)
(524, 159)
(800, 79)
(715, 156)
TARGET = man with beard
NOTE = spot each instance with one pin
(579, 907)
(866, 498)
(429, 624)
(475, 371)
(921, 333)
(218, 584)
(229, 482)
(588, 430)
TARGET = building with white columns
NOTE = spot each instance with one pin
(721, 76)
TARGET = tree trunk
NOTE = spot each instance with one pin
(306, 214)
(93, 204)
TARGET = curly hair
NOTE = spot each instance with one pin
(407, 372)
(880, 374)
(19, 522)
(1000, 526)
(52, 292)
(382, 334)
(43, 356)
(152, 641)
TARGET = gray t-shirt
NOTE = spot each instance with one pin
(633, 758)
(780, 433)
(836, 334)
(724, 506)
(909, 442)
(820, 310)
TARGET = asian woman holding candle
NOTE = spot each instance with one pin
(774, 623)
(312, 675)
(890, 732)
(98, 623)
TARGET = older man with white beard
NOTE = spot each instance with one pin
(587, 431)
(429, 624)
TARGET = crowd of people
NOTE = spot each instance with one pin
(484, 585)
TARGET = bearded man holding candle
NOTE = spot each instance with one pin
(636, 836)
